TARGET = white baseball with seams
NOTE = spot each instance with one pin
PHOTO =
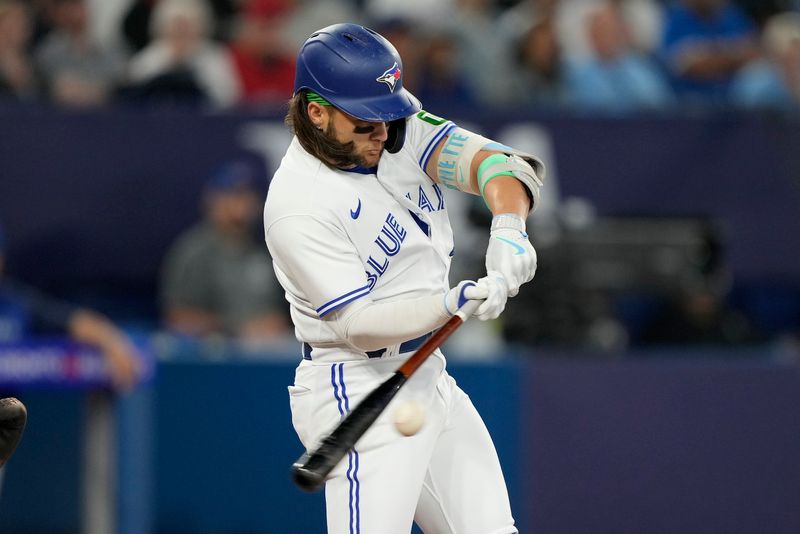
(409, 417)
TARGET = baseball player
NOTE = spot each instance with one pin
(356, 222)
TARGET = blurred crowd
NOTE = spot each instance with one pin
(573, 56)
(600, 56)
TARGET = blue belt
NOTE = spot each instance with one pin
(406, 346)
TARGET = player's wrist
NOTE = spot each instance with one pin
(507, 221)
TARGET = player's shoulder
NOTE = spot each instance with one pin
(424, 118)
(298, 163)
(423, 123)
(424, 131)
(302, 186)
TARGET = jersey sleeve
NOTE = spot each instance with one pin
(424, 132)
(319, 262)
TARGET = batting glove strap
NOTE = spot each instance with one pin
(510, 221)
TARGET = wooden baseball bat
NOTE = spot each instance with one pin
(311, 469)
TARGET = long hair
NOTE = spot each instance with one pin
(321, 144)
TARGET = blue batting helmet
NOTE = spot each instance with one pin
(357, 70)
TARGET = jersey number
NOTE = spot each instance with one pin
(430, 119)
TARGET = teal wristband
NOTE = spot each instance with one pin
(484, 171)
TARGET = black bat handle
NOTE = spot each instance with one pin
(309, 471)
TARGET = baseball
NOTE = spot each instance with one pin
(409, 418)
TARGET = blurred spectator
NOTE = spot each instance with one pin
(423, 13)
(25, 311)
(309, 16)
(614, 77)
(105, 22)
(760, 11)
(484, 56)
(136, 20)
(437, 79)
(75, 70)
(540, 67)
(773, 82)
(224, 14)
(411, 43)
(182, 62)
(17, 78)
(517, 20)
(217, 278)
(136, 24)
(644, 20)
(264, 67)
(705, 43)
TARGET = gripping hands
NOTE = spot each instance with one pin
(510, 252)
(491, 289)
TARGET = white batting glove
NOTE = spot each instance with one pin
(510, 252)
(492, 289)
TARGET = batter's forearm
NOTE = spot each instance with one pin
(375, 325)
(506, 194)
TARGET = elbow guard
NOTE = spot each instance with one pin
(455, 163)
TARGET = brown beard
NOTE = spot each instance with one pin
(351, 158)
(320, 144)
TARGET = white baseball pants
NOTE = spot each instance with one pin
(446, 478)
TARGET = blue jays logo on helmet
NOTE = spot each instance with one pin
(390, 77)
(339, 63)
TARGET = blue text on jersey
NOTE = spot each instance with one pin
(390, 240)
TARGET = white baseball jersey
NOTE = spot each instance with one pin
(337, 236)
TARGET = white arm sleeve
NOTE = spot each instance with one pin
(368, 325)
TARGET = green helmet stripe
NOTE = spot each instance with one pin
(314, 97)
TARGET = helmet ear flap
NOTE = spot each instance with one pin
(396, 136)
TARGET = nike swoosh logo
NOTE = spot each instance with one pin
(517, 247)
(357, 212)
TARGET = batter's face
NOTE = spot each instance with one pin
(368, 138)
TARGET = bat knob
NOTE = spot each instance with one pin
(305, 478)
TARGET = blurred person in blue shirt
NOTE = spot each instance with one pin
(773, 82)
(26, 312)
(705, 44)
(614, 77)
